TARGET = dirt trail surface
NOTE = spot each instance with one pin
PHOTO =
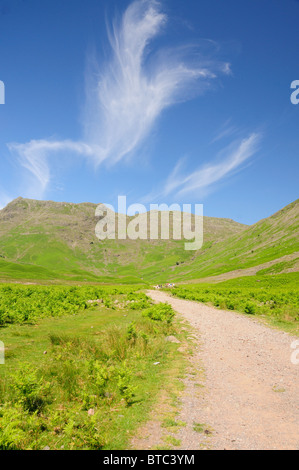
(250, 396)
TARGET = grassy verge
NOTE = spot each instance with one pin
(274, 299)
(162, 431)
(86, 380)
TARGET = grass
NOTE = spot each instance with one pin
(84, 381)
(166, 410)
(25, 304)
(86, 364)
(272, 298)
(172, 441)
(172, 423)
(201, 428)
(37, 240)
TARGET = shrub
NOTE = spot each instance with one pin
(101, 378)
(11, 427)
(250, 308)
(230, 305)
(160, 312)
(132, 333)
(30, 390)
(124, 383)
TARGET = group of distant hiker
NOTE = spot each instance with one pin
(160, 286)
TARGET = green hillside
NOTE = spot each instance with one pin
(273, 241)
(47, 240)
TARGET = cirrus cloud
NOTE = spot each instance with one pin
(126, 95)
(203, 179)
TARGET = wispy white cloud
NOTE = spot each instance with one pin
(131, 91)
(126, 95)
(33, 156)
(4, 199)
(204, 178)
(226, 130)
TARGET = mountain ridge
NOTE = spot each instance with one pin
(56, 240)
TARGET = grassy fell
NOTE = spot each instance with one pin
(46, 240)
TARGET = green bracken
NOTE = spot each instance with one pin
(84, 381)
(276, 298)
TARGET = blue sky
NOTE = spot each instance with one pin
(164, 102)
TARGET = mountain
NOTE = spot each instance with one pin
(48, 240)
(270, 246)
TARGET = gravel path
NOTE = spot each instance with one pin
(250, 396)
